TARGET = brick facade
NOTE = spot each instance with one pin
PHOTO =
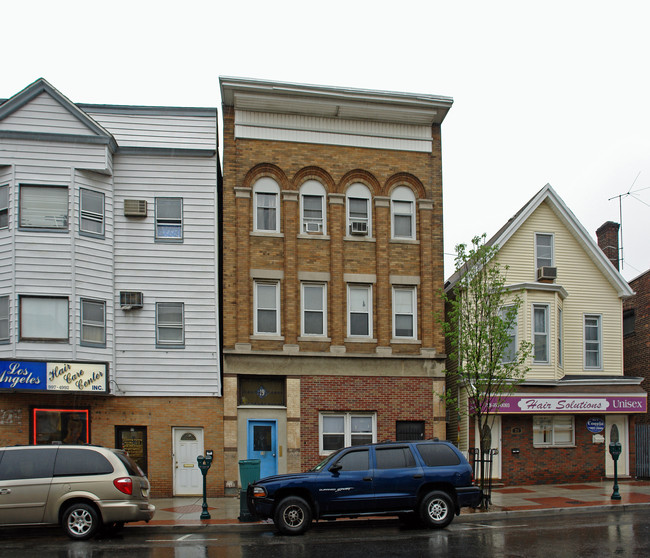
(636, 343)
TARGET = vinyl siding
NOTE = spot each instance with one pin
(589, 292)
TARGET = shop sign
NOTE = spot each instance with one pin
(595, 425)
(569, 404)
(53, 376)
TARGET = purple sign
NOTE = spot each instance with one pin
(569, 404)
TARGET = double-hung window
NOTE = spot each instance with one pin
(169, 219)
(403, 213)
(404, 312)
(544, 256)
(560, 337)
(312, 204)
(551, 430)
(266, 206)
(593, 342)
(170, 329)
(339, 430)
(358, 209)
(510, 351)
(43, 207)
(92, 212)
(4, 319)
(359, 311)
(267, 308)
(4, 207)
(540, 334)
(93, 322)
(43, 318)
(314, 309)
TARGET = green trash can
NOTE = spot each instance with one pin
(249, 472)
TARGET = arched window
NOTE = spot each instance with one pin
(313, 215)
(359, 210)
(402, 209)
(266, 205)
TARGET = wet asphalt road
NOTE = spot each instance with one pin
(625, 534)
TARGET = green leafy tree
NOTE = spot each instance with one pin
(481, 317)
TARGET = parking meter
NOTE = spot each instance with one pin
(204, 465)
(615, 451)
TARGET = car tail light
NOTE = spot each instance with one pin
(259, 492)
(124, 484)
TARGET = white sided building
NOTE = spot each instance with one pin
(109, 322)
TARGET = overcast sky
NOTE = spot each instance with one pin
(544, 92)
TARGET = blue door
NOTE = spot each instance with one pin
(263, 445)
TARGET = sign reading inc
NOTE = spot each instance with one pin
(53, 376)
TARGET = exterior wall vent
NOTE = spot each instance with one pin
(130, 300)
(135, 208)
(547, 273)
(359, 227)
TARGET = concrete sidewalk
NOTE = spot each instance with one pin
(560, 498)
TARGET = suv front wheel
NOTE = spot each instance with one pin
(437, 509)
(80, 521)
(292, 516)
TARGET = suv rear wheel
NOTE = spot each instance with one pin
(437, 509)
(292, 516)
(80, 521)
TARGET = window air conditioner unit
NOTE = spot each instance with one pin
(312, 227)
(358, 227)
(547, 273)
(130, 300)
(135, 208)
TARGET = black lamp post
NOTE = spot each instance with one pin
(615, 452)
(204, 465)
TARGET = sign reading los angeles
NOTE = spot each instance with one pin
(53, 376)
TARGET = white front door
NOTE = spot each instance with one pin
(495, 430)
(188, 445)
(623, 462)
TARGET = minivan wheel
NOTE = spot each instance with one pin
(437, 509)
(80, 521)
(292, 516)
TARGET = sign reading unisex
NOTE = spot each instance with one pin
(53, 376)
(571, 404)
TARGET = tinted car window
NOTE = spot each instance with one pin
(27, 464)
(355, 461)
(132, 468)
(438, 455)
(394, 458)
(75, 462)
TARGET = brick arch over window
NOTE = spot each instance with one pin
(266, 169)
(314, 173)
(405, 179)
(362, 176)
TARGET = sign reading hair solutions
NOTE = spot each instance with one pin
(53, 376)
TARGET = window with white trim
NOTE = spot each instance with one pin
(544, 256)
(402, 203)
(540, 334)
(4, 319)
(510, 352)
(340, 430)
(266, 205)
(93, 322)
(359, 311)
(43, 318)
(593, 342)
(43, 207)
(170, 329)
(553, 430)
(560, 337)
(359, 211)
(404, 312)
(312, 208)
(4, 207)
(266, 302)
(314, 309)
(92, 212)
(169, 219)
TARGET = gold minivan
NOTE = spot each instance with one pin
(80, 487)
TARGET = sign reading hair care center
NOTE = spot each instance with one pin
(53, 376)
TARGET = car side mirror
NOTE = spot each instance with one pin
(335, 468)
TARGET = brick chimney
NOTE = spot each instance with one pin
(608, 241)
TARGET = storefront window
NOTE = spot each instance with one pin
(65, 426)
(553, 431)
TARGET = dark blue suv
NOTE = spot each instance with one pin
(429, 481)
